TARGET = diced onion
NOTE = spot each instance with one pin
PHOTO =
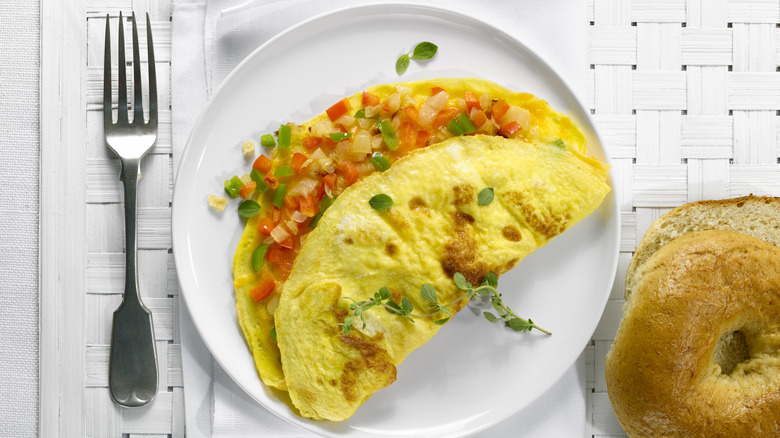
(377, 142)
(371, 110)
(484, 101)
(362, 142)
(346, 120)
(292, 225)
(302, 187)
(280, 234)
(298, 217)
(323, 128)
(519, 115)
(272, 303)
(393, 102)
(431, 107)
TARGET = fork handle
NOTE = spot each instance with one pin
(129, 177)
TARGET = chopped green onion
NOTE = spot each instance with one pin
(279, 195)
(284, 171)
(455, 127)
(338, 136)
(381, 202)
(360, 114)
(325, 203)
(285, 136)
(267, 141)
(272, 332)
(258, 256)
(380, 162)
(248, 208)
(388, 134)
(465, 123)
(559, 143)
(233, 186)
(259, 178)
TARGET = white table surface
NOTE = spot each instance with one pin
(687, 94)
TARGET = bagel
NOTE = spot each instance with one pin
(697, 352)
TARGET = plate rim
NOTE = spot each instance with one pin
(401, 8)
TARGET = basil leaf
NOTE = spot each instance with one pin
(402, 63)
(258, 256)
(381, 202)
(248, 208)
(424, 50)
(485, 197)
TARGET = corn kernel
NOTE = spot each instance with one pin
(217, 202)
(248, 147)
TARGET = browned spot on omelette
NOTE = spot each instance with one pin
(371, 359)
(511, 233)
(390, 249)
(538, 216)
(460, 251)
(418, 204)
(464, 194)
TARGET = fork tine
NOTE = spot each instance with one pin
(122, 110)
(107, 117)
(152, 75)
(138, 106)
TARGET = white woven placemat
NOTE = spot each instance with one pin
(686, 95)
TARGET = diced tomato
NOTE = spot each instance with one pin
(436, 90)
(507, 129)
(412, 112)
(288, 243)
(499, 109)
(319, 190)
(306, 205)
(291, 203)
(370, 99)
(350, 172)
(247, 189)
(298, 163)
(271, 181)
(327, 144)
(329, 181)
(262, 163)
(445, 116)
(265, 225)
(278, 255)
(408, 135)
(472, 101)
(479, 118)
(311, 142)
(263, 288)
(338, 109)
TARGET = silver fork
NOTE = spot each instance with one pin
(132, 370)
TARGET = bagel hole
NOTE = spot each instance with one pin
(730, 351)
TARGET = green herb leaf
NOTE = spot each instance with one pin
(380, 162)
(315, 220)
(490, 317)
(360, 114)
(248, 208)
(490, 280)
(381, 202)
(346, 326)
(424, 50)
(485, 196)
(402, 63)
(258, 256)
(559, 143)
(520, 325)
(393, 307)
(461, 282)
(384, 293)
(441, 321)
(339, 136)
(407, 306)
(429, 293)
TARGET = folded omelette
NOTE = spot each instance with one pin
(432, 147)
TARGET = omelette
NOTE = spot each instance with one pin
(430, 146)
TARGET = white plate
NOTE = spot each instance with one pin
(472, 374)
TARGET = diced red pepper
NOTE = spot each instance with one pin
(287, 243)
(263, 288)
(412, 112)
(278, 255)
(247, 189)
(262, 163)
(422, 138)
(408, 135)
(479, 118)
(370, 99)
(472, 101)
(291, 203)
(436, 90)
(338, 109)
(329, 181)
(271, 181)
(265, 225)
(507, 129)
(307, 206)
(298, 163)
(499, 109)
(311, 142)
(444, 117)
(350, 172)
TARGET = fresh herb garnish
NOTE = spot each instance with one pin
(485, 196)
(258, 256)
(248, 208)
(381, 202)
(421, 52)
(380, 162)
(405, 309)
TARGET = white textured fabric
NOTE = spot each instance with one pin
(556, 29)
(19, 179)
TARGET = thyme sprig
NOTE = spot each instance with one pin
(487, 290)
